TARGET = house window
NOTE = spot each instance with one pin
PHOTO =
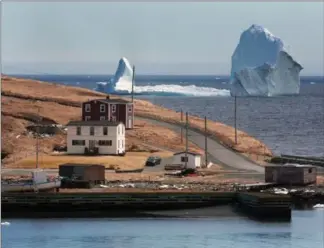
(130, 108)
(122, 144)
(184, 159)
(102, 108)
(105, 130)
(118, 143)
(78, 142)
(78, 131)
(113, 118)
(91, 130)
(310, 170)
(87, 107)
(105, 142)
(113, 108)
(102, 118)
(87, 118)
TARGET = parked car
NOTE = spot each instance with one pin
(153, 161)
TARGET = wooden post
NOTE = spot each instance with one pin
(235, 119)
(181, 126)
(133, 82)
(186, 156)
(206, 153)
(37, 132)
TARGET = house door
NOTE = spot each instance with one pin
(92, 144)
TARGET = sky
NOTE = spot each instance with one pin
(159, 38)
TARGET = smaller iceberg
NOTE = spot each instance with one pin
(122, 80)
(121, 84)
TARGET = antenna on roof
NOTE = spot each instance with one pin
(133, 82)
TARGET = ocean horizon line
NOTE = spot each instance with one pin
(138, 75)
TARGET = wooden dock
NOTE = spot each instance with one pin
(265, 206)
(69, 204)
(283, 159)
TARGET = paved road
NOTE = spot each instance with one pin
(217, 153)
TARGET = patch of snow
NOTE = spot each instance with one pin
(164, 186)
(127, 185)
(210, 165)
(281, 191)
(103, 186)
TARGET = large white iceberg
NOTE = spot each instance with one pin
(121, 81)
(261, 66)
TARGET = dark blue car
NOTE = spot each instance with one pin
(153, 161)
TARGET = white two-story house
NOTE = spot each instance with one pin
(96, 137)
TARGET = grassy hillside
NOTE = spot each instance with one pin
(23, 101)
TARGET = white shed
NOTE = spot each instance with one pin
(97, 137)
(193, 159)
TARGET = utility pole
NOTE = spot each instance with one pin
(235, 119)
(206, 160)
(133, 82)
(186, 154)
(37, 132)
(181, 126)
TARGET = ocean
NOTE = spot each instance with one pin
(287, 124)
(305, 231)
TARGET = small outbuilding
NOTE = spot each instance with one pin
(191, 160)
(291, 174)
(92, 173)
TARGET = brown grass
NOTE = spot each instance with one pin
(21, 99)
(18, 113)
(320, 180)
(132, 160)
